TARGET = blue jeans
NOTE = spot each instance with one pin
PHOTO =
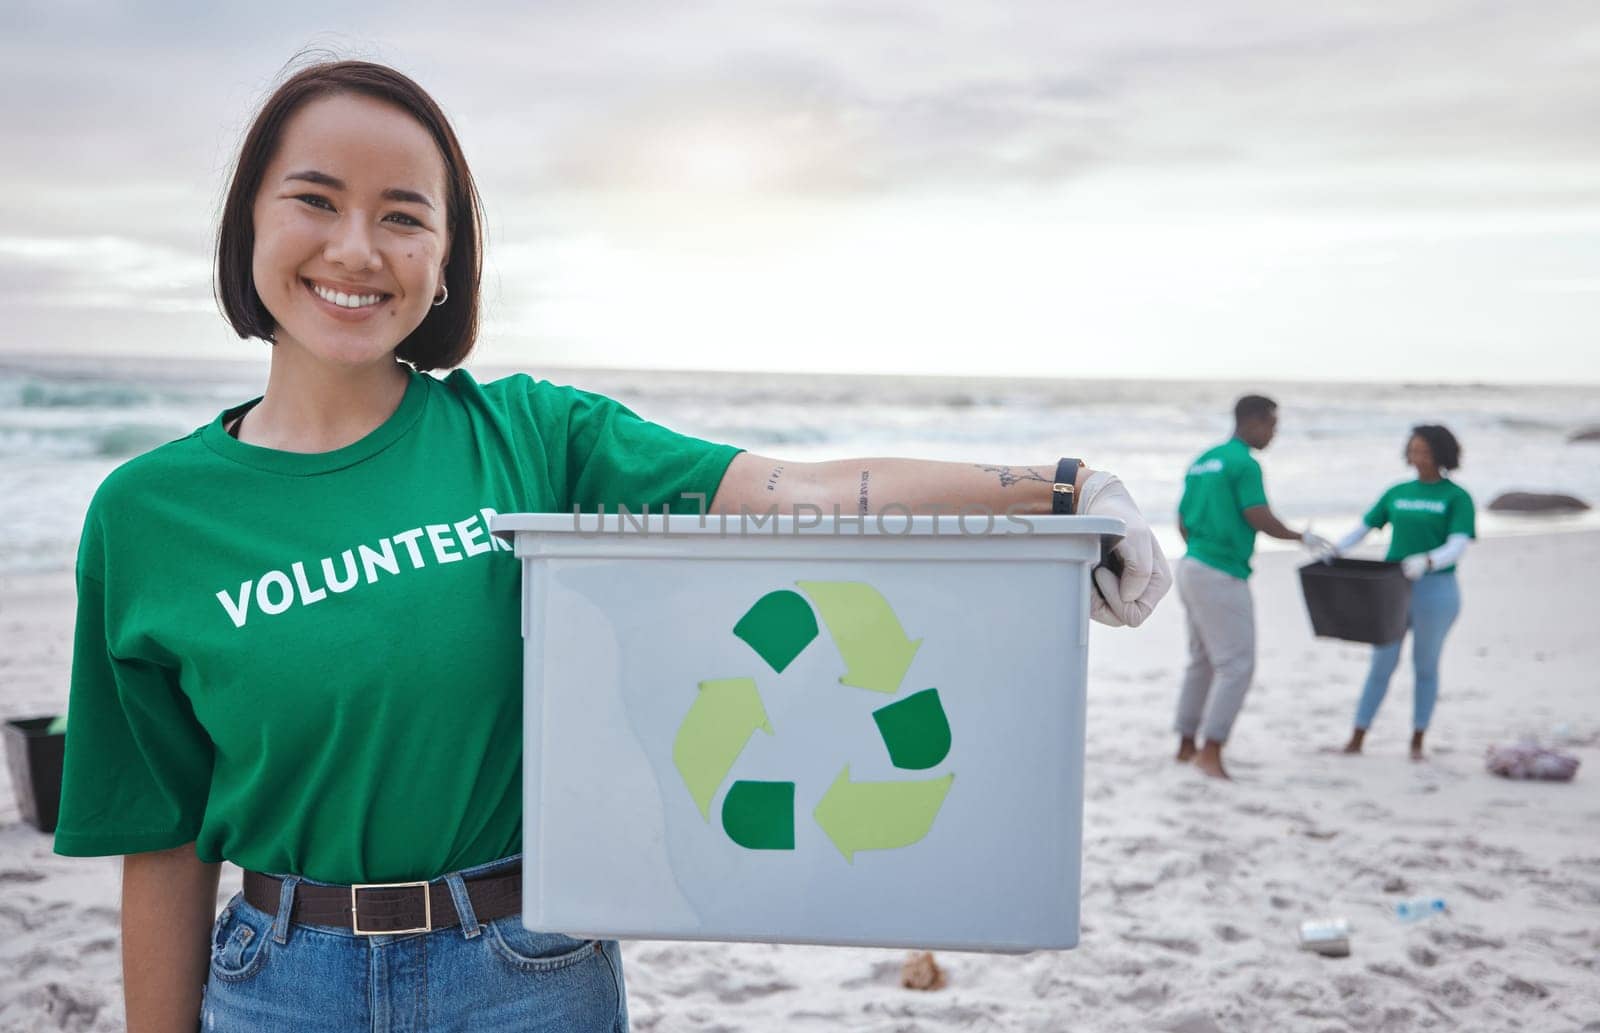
(271, 976)
(1435, 604)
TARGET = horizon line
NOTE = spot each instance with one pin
(11, 358)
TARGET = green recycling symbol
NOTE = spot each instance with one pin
(727, 712)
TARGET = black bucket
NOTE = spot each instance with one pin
(1357, 600)
(34, 757)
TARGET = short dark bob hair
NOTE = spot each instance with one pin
(1253, 407)
(1443, 444)
(448, 332)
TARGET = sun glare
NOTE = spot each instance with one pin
(715, 165)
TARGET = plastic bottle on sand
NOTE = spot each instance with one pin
(1418, 908)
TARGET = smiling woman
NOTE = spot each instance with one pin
(299, 651)
(355, 181)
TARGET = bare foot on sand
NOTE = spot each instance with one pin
(1186, 749)
(1357, 737)
(1209, 761)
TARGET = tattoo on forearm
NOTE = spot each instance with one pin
(772, 478)
(1010, 475)
(861, 499)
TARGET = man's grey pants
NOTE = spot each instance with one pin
(1222, 649)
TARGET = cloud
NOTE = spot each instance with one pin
(102, 272)
(817, 147)
(835, 98)
(1569, 285)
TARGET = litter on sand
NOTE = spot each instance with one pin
(921, 972)
(1329, 937)
(1527, 759)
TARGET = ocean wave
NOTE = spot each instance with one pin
(81, 395)
(1533, 424)
(102, 441)
(753, 435)
(44, 393)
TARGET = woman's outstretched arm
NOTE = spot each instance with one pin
(866, 486)
(760, 484)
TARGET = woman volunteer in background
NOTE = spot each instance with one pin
(1433, 520)
(297, 646)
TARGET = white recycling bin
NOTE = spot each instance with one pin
(833, 731)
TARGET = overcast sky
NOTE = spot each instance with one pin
(1405, 189)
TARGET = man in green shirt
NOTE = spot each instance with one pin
(1224, 505)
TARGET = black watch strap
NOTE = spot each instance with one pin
(1064, 493)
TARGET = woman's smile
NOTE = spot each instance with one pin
(347, 303)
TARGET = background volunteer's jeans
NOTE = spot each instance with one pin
(1435, 604)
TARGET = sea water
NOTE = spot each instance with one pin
(67, 422)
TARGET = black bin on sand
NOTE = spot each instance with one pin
(1356, 600)
(34, 757)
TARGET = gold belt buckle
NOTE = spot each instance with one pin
(355, 911)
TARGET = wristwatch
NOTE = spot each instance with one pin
(1064, 492)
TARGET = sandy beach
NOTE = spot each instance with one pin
(1193, 889)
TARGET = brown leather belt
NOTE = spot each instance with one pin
(389, 908)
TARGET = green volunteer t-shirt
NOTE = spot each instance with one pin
(1220, 486)
(1424, 515)
(312, 664)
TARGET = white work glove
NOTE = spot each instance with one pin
(1415, 566)
(1146, 577)
(1319, 547)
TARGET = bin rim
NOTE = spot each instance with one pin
(1351, 565)
(33, 727)
(888, 525)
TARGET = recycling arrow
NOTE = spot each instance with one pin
(879, 815)
(868, 635)
(778, 627)
(915, 730)
(725, 714)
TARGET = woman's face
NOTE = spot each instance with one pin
(350, 230)
(1420, 455)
